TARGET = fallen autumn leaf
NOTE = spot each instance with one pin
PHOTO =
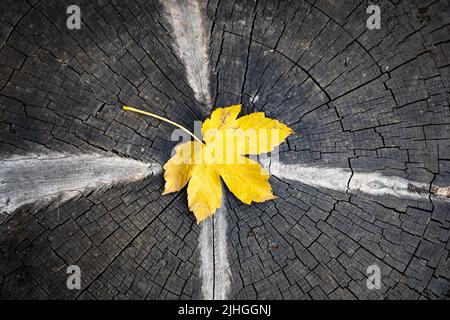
(221, 153)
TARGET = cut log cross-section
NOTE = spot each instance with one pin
(363, 181)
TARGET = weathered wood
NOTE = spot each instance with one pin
(41, 180)
(359, 100)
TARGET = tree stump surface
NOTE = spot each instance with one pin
(360, 101)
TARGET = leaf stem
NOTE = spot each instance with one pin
(127, 108)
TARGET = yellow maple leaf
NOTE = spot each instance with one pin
(221, 153)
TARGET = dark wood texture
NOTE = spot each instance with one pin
(360, 99)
